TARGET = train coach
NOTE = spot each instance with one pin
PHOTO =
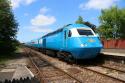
(76, 41)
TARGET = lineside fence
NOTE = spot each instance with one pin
(114, 43)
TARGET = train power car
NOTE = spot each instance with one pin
(76, 41)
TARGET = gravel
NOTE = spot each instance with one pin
(82, 74)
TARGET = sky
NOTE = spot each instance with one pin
(39, 17)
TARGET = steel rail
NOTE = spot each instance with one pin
(39, 72)
(112, 68)
(55, 68)
(63, 71)
(84, 68)
(104, 74)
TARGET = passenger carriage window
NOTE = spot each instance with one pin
(70, 33)
(40, 41)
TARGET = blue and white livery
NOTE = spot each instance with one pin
(76, 40)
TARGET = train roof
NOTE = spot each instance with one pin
(76, 25)
(66, 26)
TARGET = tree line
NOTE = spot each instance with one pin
(112, 23)
(8, 28)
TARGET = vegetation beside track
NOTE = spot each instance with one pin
(6, 57)
(8, 28)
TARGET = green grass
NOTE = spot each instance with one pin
(5, 57)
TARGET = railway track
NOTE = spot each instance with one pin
(113, 73)
(60, 72)
(77, 80)
(112, 68)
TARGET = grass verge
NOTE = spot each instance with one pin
(5, 57)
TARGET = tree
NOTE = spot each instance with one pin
(112, 23)
(80, 21)
(8, 28)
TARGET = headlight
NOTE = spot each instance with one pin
(83, 45)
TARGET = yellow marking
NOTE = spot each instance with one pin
(91, 40)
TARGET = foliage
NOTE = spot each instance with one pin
(8, 28)
(112, 23)
(81, 21)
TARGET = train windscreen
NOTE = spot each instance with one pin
(84, 32)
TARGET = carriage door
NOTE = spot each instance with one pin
(44, 43)
(65, 39)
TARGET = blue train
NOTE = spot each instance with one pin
(76, 41)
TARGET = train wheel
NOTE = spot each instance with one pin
(60, 55)
(51, 53)
(70, 58)
(44, 51)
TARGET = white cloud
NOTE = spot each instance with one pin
(43, 10)
(98, 4)
(18, 3)
(40, 29)
(43, 20)
(29, 1)
(15, 3)
(26, 14)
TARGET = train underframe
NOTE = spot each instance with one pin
(56, 53)
(59, 54)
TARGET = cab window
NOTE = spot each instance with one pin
(84, 32)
